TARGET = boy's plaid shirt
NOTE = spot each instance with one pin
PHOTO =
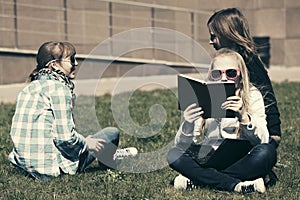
(43, 130)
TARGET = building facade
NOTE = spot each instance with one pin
(26, 24)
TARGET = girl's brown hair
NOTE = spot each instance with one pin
(230, 25)
(50, 51)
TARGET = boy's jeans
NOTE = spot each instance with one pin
(105, 157)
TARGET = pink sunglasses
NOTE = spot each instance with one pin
(231, 74)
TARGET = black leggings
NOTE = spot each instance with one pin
(257, 163)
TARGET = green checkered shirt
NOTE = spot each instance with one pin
(43, 130)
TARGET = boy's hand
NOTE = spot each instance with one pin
(95, 144)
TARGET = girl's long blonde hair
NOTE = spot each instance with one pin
(243, 84)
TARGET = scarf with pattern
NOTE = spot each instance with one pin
(56, 74)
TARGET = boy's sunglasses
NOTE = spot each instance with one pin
(72, 60)
(231, 74)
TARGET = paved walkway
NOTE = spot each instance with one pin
(117, 85)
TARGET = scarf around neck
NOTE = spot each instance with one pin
(58, 75)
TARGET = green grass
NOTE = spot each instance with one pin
(153, 180)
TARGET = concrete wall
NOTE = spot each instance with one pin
(25, 24)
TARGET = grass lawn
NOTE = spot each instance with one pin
(146, 176)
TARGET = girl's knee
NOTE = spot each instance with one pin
(113, 134)
(112, 131)
(174, 155)
(265, 150)
(266, 153)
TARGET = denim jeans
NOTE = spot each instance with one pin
(105, 157)
(257, 163)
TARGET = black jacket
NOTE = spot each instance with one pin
(259, 78)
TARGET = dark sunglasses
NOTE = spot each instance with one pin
(73, 59)
(231, 74)
(212, 37)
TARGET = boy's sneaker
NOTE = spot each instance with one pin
(251, 186)
(182, 182)
(124, 153)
